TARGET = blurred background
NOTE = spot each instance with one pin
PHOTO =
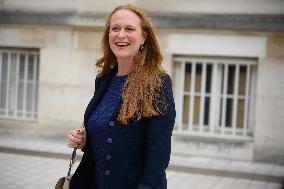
(226, 60)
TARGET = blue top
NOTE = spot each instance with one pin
(107, 108)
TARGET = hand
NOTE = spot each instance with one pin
(76, 138)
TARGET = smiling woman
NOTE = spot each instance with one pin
(125, 36)
(129, 121)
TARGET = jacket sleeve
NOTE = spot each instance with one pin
(158, 142)
(97, 84)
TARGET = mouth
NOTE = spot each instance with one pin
(122, 44)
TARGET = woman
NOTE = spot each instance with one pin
(129, 120)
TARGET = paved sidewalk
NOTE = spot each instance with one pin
(46, 160)
(32, 172)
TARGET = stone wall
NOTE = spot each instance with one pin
(269, 129)
(68, 52)
(188, 6)
(67, 68)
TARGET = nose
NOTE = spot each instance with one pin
(121, 33)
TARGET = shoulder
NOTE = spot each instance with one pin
(166, 82)
(166, 99)
(103, 77)
(97, 81)
(165, 77)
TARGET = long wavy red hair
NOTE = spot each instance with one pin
(141, 94)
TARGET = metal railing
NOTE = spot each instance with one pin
(19, 75)
(215, 97)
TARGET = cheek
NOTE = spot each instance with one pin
(140, 39)
(110, 40)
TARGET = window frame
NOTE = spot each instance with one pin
(243, 134)
(25, 107)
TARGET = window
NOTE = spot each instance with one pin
(19, 75)
(215, 96)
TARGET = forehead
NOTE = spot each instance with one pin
(125, 17)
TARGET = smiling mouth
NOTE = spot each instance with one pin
(122, 44)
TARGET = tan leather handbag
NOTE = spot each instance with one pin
(64, 182)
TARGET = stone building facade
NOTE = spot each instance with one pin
(226, 61)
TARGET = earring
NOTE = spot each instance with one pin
(141, 48)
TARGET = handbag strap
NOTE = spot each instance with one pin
(72, 161)
(73, 158)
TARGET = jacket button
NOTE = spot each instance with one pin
(108, 157)
(111, 123)
(109, 140)
(107, 172)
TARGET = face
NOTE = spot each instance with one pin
(125, 35)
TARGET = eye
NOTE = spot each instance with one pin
(130, 29)
(115, 29)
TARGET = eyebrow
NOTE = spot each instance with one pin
(120, 26)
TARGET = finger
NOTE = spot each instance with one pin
(81, 131)
(72, 144)
(75, 139)
(79, 137)
(76, 135)
(74, 132)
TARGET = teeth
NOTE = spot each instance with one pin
(122, 43)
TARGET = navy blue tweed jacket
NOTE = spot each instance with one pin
(135, 155)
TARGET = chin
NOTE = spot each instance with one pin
(123, 56)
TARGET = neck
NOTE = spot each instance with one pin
(124, 66)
